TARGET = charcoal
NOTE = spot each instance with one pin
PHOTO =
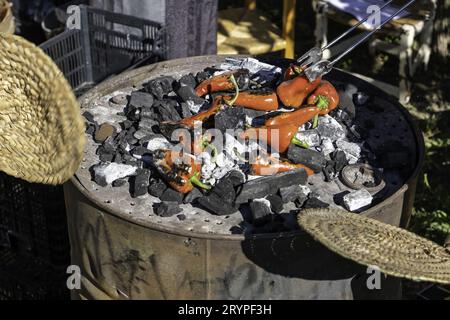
(276, 203)
(118, 158)
(202, 76)
(225, 190)
(89, 117)
(139, 184)
(184, 110)
(110, 145)
(340, 160)
(147, 125)
(160, 87)
(105, 131)
(230, 118)
(290, 194)
(188, 80)
(139, 152)
(192, 196)
(215, 205)
(315, 203)
(157, 188)
(262, 187)
(236, 177)
(300, 201)
(181, 217)
(310, 158)
(310, 137)
(351, 150)
(133, 114)
(188, 94)
(167, 209)
(330, 128)
(90, 128)
(107, 173)
(157, 142)
(329, 171)
(147, 113)
(172, 196)
(261, 212)
(132, 141)
(167, 110)
(119, 183)
(127, 124)
(106, 157)
(357, 200)
(141, 100)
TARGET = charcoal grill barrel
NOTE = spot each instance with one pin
(123, 255)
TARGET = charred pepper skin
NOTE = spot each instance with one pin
(223, 82)
(325, 97)
(262, 101)
(180, 172)
(292, 93)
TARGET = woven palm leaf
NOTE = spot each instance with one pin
(41, 128)
(394, 251)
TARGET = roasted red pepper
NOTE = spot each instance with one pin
(292, 93)
(284, 135)
(224, 82)
(325, 97)
(298, 117)
(263, 168)
(181, 172)
(292, 72)
(263, 101)
(205, 115)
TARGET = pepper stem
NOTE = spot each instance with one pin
(195, 180)
(316, 121)
(301, 144)
(236, 95)
(321, 102)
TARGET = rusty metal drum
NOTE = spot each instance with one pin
(126, 252)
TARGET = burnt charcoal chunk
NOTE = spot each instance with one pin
(215, 205)
(119, 183)
(139, 152)
(310, 158)
(291, 193)
(315, 203)
(167, 110)
(188, 94)
(236, 178)
(300, 201)
(230, 118)
(340, 160)
(147, 113)
(181, 217)
(187, 80)
(139, 184)
(160, 87)
(262, 187)
(260, 213)
(141, 100)
(90, 128)
(133, 114)
(276, 203)
(172, 196)
(157, 188)
(167, 209)
(147, 124)
(192, 196)
(89, 117)
(225, 190)
(127, 124)
(184, 111)
(328, 171)
(202, 76)
(106, 157)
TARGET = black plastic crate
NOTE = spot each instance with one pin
(33, 221)
(107, 44)
(26, 278)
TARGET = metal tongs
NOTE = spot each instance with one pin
(312, 62)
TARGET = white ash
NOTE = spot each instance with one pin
(208, 167)
(311, 137)
(305, 190)
(158, 143)
(194, 107)
(350, 148)
(263, 71)
(327, 146)
(110, 172)
(357, 200)
(265, 201)
(330, 128)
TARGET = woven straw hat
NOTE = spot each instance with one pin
(41, 128)
(394, 251)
